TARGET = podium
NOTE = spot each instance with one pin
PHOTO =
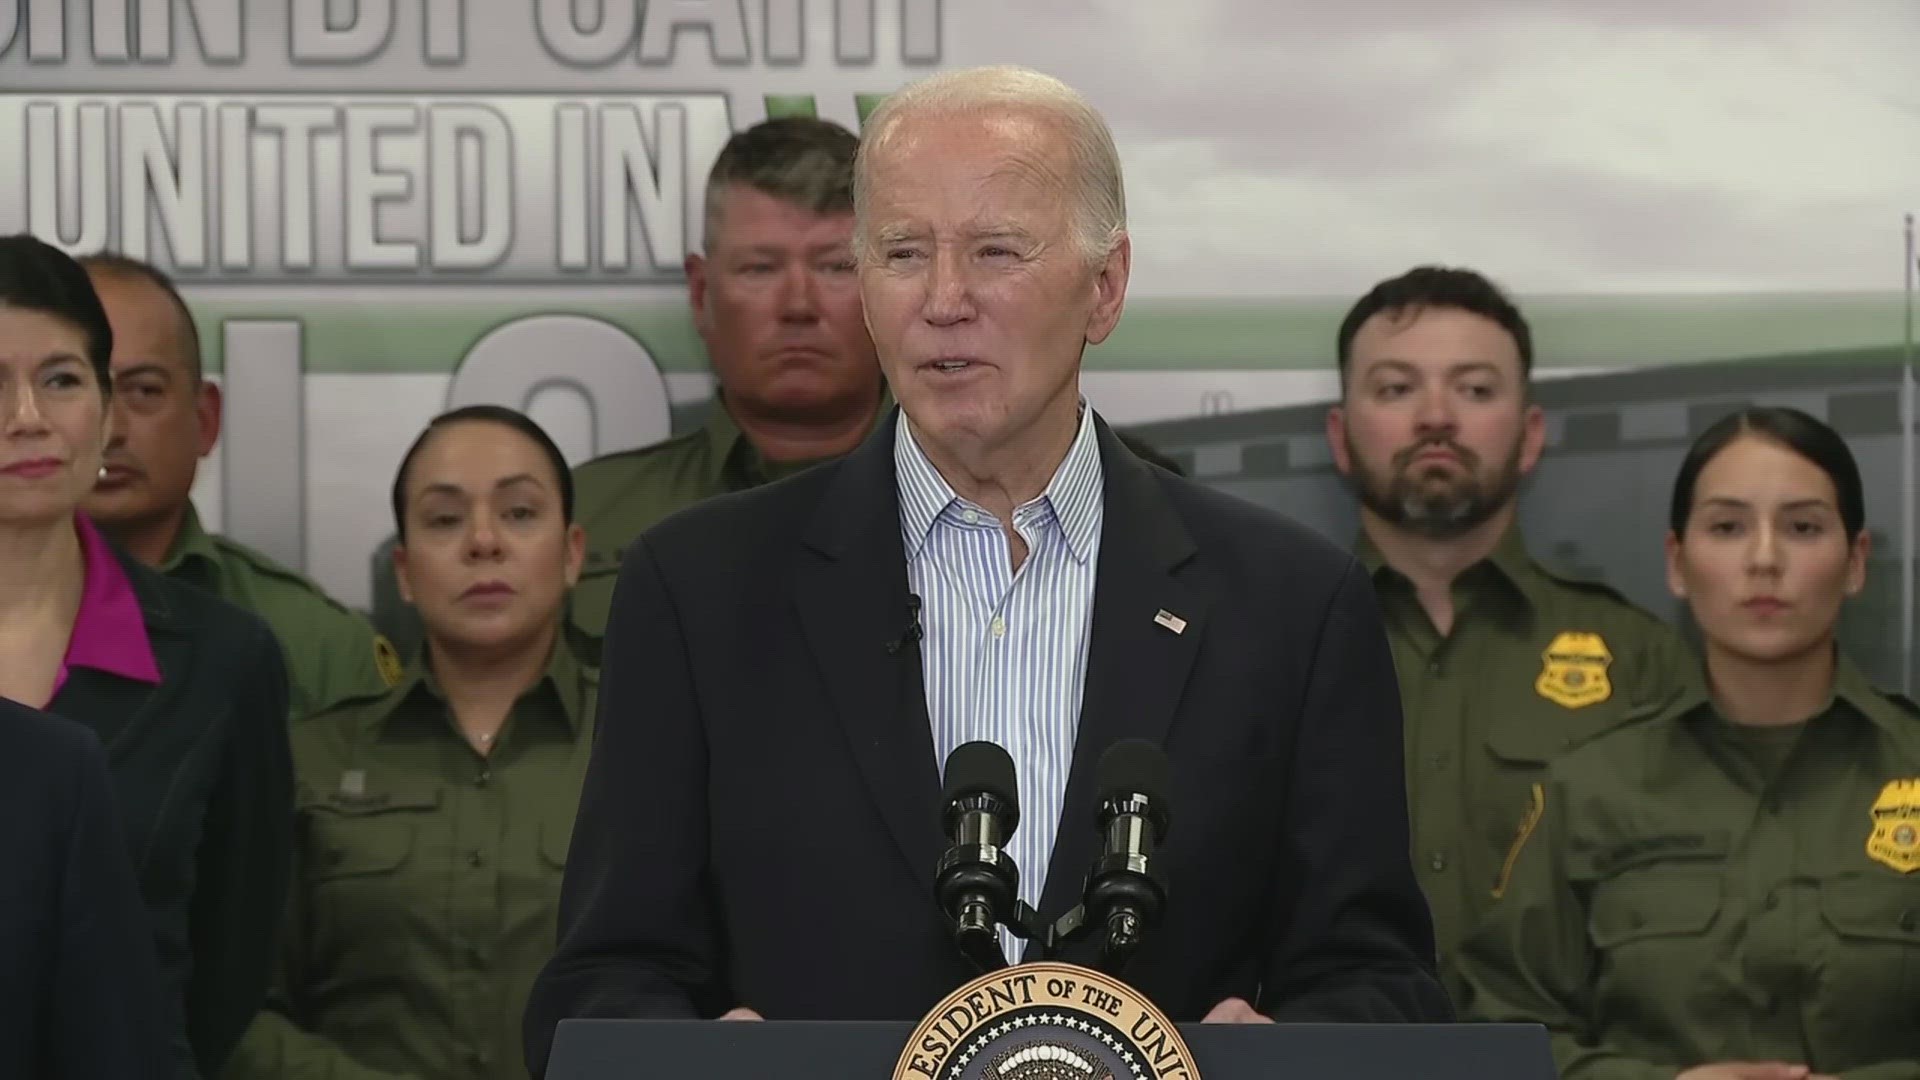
(715, 1050)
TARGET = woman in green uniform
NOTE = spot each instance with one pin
(1727, 889)
(433, 819)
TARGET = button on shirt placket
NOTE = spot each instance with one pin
(1005, 652)
(1775, 901)
(475, 905)
(970, 553)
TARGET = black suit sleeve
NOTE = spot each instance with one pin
(108, 1016)
(1353, 937)
(638, 933)
(245, 857)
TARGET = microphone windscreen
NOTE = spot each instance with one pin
(978, 768)
(1134, 767)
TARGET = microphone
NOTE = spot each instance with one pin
(976, 881)
(912, 634)
(1126, 892)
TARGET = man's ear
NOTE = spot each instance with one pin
(1110, 291)
(696, 267)
(208, 408)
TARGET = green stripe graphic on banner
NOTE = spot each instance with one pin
(429, 336)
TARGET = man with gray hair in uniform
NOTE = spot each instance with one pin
(992, 565)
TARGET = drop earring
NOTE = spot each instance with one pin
(101, 474)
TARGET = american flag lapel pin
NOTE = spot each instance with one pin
(1171, 621)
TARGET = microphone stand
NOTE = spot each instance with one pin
(982, 944)
(1126, 889)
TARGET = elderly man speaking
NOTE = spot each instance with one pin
(761, 821)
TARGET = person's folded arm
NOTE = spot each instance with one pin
(279, 1044)
(1530, 960)
(1885, 1070)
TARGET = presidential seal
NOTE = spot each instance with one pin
(1045, 1022)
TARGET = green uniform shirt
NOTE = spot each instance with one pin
(426, 884)
(332, 653)
(1535, 663)
(1675, 907)
(619, 496)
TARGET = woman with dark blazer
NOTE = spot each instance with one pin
(79, 993)
(187, 693)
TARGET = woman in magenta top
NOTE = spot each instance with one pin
(187, 693)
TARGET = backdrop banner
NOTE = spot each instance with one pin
(383, 208)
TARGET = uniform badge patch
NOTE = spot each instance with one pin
(1574, 670)
(1895, 840)
(387, 659)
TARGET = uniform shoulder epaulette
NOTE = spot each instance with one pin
(1905, 703)
(269, 567)
(1583, 583)
(1597, 588)
(347, 706)
(638, 453)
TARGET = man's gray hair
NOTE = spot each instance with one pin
(1100, 203)
(796, 159)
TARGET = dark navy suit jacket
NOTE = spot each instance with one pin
(761, 820)
(204, 779)
(80, 989)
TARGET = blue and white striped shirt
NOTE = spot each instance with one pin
(1005, 653)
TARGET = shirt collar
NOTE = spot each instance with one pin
(1851, 686)
(732, 459)
(110, 630)
(1073, 494)
(562, 679)
(191, 544)
(1508, 562)
(728, 451)
(1852, 693)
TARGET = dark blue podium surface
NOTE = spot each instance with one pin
(713, 1050)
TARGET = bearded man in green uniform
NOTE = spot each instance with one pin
(1502, 663)
(166, 417)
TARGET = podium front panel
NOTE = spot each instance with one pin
(714, 1050)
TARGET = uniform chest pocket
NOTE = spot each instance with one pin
(1875, 951)
(351, 837)
(1652, 907)
(1872, 911)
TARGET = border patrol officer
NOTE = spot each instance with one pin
(1502, 664)
(775, 302)
(166, 417)
(1729, 888)
(434, 818)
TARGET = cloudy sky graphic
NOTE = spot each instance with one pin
(1300, 147)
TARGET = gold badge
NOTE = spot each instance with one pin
(387, 659)
(1895, 840)
(1575, 671)
(1042, 1021)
